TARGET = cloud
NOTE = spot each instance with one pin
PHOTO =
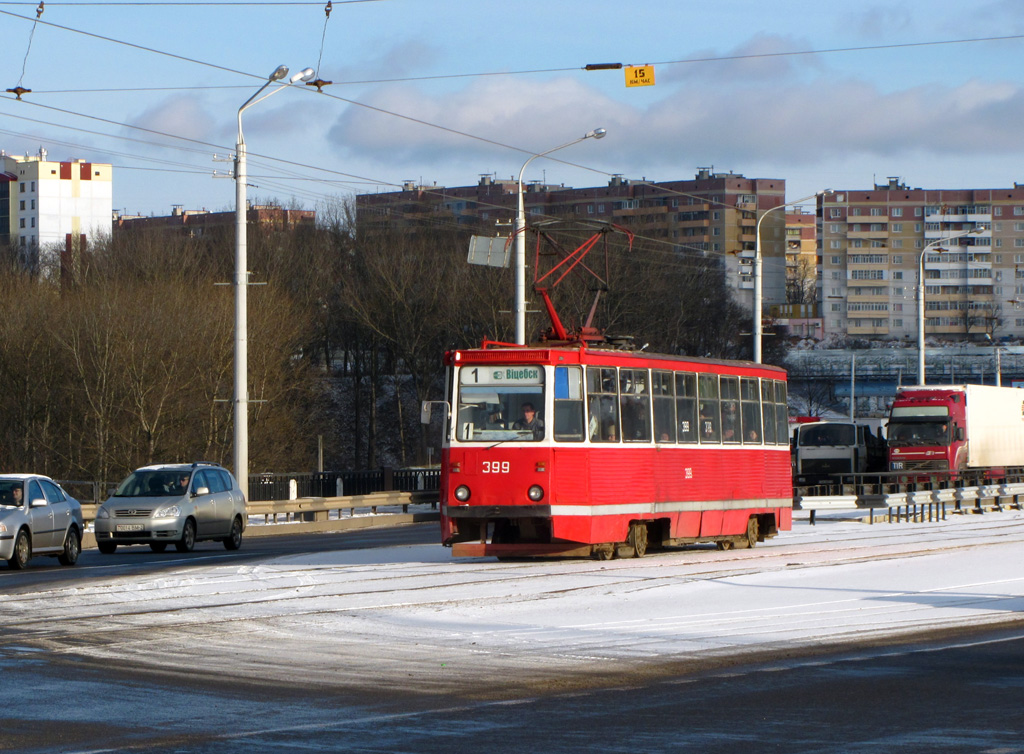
(800, 124)
(407, 58)
(760, 58)
(180, 114)
(511, 112)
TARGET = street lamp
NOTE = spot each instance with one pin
(757, 267)
(999, 361)
(241, 396)
(920, 296)
(520, 232)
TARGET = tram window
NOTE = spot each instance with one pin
(686, 407)
(664, 406)
(602, 404)
(635, 401)
(768, 410)
(568, 404)
(707, 398)
(730, 409)
(750, 408)
(490, 409)
(781, 414)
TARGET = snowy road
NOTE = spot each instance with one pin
(411, 618)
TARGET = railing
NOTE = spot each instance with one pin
(916, 496)
(340, 483)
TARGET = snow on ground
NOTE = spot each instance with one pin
(412, 617)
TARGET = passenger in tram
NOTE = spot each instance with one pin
(529, 420)
(752, 435)
(611, 434)
(707, 424)
(730, 420)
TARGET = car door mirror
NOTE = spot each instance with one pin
(202, 491)
(39, 502)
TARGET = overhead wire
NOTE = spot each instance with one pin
(421, 121)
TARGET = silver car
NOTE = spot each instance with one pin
(177, 504)
(37, 517)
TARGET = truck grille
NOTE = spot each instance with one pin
(934, 465)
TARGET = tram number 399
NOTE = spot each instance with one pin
(495, 467)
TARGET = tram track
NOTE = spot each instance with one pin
(51, 614)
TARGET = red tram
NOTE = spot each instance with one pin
(622, 451)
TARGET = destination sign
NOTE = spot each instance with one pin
(501, 375)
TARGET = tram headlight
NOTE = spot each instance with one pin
(462, 493)
(535, 493)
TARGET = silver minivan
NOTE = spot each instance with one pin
(178, 504)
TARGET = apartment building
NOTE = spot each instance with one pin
(196, 223)
(800, 315)
(713, 215)
(970, 243)
(49, 207)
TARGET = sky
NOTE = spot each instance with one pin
(444, 91)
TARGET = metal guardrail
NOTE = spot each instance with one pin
(320, 508)
(917, 497)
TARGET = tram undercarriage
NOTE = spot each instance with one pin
(532, 537)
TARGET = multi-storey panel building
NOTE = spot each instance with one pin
(972, 242)
(714, 215)
(54, 207)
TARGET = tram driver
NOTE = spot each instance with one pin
(530, 421)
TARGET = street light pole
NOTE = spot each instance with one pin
(241, 282)
(757, 267)
(520, 233)
(920, 297)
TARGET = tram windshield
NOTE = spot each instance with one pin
(498, 403)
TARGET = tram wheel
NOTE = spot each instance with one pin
(752, 532)
(637, 539)
(604, 552)
(724, 544)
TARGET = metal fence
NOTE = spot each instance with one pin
(263, 487)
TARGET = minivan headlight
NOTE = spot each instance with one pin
(102, 512)
(168, 511)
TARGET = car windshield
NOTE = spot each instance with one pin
(154, 483)
(7, 492)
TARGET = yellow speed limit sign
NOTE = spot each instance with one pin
(639, 75)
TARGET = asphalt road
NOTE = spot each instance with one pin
(958, 696)
(960, 693)
(139, 558)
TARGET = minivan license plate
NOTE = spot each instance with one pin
(129, 527)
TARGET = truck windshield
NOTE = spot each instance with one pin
(904, 434)
(828, 434)
(498, 403)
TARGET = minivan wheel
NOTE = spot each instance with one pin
(22, 551)
(157, 546)
(234, 540)
(107, 548)
(72, 548)
(188, 537)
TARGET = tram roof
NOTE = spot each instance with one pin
(582, 354)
